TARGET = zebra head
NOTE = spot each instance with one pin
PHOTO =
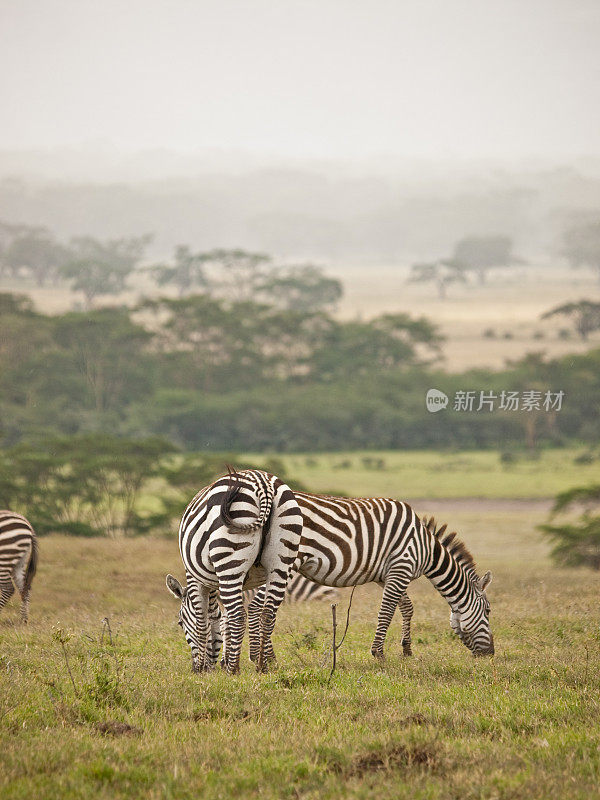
(471, 623)
(188, 621)
(187, 618)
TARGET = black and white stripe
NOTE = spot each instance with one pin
(346, 542)
(18, 559)
(238, 533)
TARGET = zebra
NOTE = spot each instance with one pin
(300, 590)
(238, 533)
(18, 559)
(351, 541)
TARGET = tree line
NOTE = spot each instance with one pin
(209, 373)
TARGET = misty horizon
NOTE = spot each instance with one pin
(304, 80)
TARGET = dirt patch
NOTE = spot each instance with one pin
(414, 719)
(118, 729)
(393, 757)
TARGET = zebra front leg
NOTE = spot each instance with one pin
(215, 638)
(274, 594)
(226, 639)
(6, 589)
(406, 609)
(254, 611)
(395, 585)
(232, 599)
(204, 629)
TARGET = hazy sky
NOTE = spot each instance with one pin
(349, 78)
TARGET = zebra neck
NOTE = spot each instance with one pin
(450, 577)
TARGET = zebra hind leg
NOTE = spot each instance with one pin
(20, 579)
(406, 609)
(231, 597)
(393, 590)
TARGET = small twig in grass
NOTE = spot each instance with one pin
(347, 618)
(333, 647)
(60, 636)
(336, 646)
(106, 626)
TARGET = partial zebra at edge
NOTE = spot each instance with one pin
(18, 559)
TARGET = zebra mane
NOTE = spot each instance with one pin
(452, 544)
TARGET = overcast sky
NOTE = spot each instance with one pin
(348, 78)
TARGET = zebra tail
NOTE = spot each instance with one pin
(33, 562)
(230, 495)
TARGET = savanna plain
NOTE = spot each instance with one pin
(97, 698)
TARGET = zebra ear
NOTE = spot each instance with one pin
(455, 621)
(175, 587)
(484, 581)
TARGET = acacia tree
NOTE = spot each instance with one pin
(236, 274)
(303, 288)
(37, 251)
(576, 543)
(102, 268)
(480, 253)
(442, 273)
(584, 315)
(186, 272)
(84, 485)
(106, 350)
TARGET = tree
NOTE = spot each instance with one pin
(102, 268)
(106, 349)
(577, 543)
(303, 288)
(442, 273)
(581, 246)
(84, 485)
(386, 343)
(236, 274)
(480, 253)
(585, 316)
(186, 272)
(37, 250)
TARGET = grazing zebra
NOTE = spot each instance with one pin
(238, 533)
(300, 590)
(348, 541)
(18, 559)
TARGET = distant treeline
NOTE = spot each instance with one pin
(315, 212)
(224, 375)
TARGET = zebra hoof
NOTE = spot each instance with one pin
(376, 653)
(406, 650)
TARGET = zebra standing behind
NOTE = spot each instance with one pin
(18, 559)
(300, 590)
(351, 541)
(238, 533)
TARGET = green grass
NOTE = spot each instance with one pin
(422, 473)
(138, 724)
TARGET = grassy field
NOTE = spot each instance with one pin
(421, 473)
(133, 722)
